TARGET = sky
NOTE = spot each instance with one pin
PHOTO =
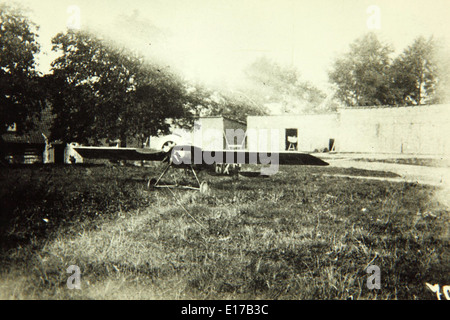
(212, 41)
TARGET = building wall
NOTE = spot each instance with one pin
(417, 130)
(70, 155)
(208, 133)
(25, 153)
(402, 130)
(235, 133)
(314, 131)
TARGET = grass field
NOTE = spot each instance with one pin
(296, 235)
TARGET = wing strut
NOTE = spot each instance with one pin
(201, 186)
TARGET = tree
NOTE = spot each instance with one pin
(275, 84)
(442, 91)
(205, 101)
(103, 91)
(21, 97)
(361, 76)
(414, 73)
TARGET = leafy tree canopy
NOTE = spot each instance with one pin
(414, 73)
(367, 75)
(235, 105)
(103, 91)
(272, 83)
(361, 75)
(21, 96)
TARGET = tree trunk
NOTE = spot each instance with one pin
(123, 144)
(123, 141)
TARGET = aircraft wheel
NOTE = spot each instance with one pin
(167, 146)
(151, 182)
(204, 187)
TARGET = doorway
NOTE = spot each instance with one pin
(291, 139)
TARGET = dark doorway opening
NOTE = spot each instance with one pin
(331, 145)
(291, 139)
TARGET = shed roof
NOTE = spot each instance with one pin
(221, 117)
(31, 138)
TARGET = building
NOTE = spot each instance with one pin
(415, 130)
(304, 132)
(22, 148)
(421, 130)
(209, 133)
(29, 148)
(32, 146)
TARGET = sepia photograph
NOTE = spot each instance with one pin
(200, 151)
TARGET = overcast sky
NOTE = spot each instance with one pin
(213, 40)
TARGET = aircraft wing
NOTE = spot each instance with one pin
(283, 158)
(114, 153)
(294, 158)
(222, 156)
(195, 155)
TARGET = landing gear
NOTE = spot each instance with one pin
(151, 182)
(203, 186)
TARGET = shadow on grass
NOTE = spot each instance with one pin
(37, 200)
(290, 236)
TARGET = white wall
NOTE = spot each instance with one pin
(417, 130)
(409, 130)
(208, 134)
(314, 130)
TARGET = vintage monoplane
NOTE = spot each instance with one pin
(192, 158)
